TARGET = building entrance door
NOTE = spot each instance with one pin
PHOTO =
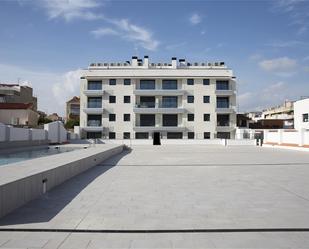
(156, 138)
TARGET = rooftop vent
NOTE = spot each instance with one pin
(105, 64)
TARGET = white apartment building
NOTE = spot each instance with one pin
(141, 100)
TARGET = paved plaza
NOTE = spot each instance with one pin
(184, 187)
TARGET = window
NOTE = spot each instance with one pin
(112, 117)
(305, 117)
(94, 120)
(141, 135)
(206, 99)
(126, 117)
(174, 135)
(206, 117)
(147, 102)
(223, 102)
(147, 84)
(169, 101)
(190, 135)
(91, 135)
(94, 85)
(222, 85)
(206, 135)
(147, 120)
(126, 135)
(111, 135)
(112, 82)
(224, 135)
(112, 99)
(126, 99)
(170, 119)
(127, 82)
(169, 84)
(190, 99)
(190, 117)
(205, 82)
(223, 120)
(94, 102)
(190, 82)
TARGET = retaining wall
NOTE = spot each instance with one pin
(24, 181)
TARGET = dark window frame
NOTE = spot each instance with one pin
(112, 99)
(207, 135)
(112, 117)
(127, 99)
(206, 82)
(206, 117)
(190, 82)
(190, 99)
(127, 82)
(191, 135)
(190, 117)
(206, 99)
(112, 135)
(112, 82)
(126, 117)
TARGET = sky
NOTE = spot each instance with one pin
(45, 44)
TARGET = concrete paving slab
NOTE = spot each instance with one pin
(181, 187)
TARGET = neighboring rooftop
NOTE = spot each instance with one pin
(145, 63)
(15, 106)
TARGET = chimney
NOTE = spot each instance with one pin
(146, 61)
(134, 61)
(182, 62)
(174, 62)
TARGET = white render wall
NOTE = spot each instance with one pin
(55, 132)
(301, 107)
(287, 137)
(198, 90)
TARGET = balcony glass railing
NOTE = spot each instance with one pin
(95, 123)
(153, 105)
(223, 105)
(94, 105)
(223, 123)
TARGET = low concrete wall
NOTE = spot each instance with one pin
(24, 181)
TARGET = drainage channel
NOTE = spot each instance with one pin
(224, 230)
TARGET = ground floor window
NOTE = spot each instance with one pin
(111, 135)
(91, 135)
(141, 135)
(174, 135)
(224, 135)
(126, 135)
(206, 135)
(190, 135)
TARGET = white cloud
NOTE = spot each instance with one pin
(52, 89)
(297, 10)
(68, 86)
(281, 64)
(286, 44)
(104, 31)
(71, 9)
(129, 31)
(195, 19)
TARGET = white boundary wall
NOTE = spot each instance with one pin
(55, 132)
(294, 137)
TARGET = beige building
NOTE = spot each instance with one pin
(14, 93)
(18, 114)
(18, 106)
(176, 100)
(73, 108)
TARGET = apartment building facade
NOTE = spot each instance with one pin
(176, 100)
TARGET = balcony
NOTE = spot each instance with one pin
(225, 128)
(93, 93)
(155, 108)
(138, 128)
(159, 92)
(225, 92)
(93, 108)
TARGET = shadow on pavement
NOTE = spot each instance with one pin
(49, 205)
